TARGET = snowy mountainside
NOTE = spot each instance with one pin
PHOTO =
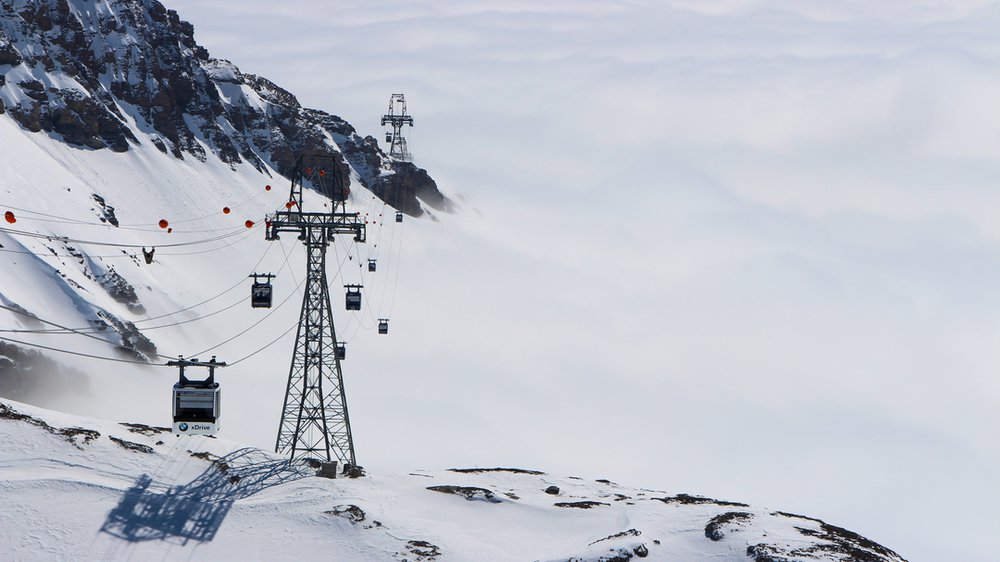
(63, 266)
(115, 74)
(77, 488)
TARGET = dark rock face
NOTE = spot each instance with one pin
(831, 542)
(468, 492)
(135, 60)
(120, 290)
(720, 525)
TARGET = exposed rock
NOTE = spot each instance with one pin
(8, 54)
(552, 490)
(690, 500)
(837, 541)
(423, 550)
(353, 470)
(143, 429)
(107, 211)
(716, 527)
(628, 533)
(141, 59)
(70, 434)
(468, 492)
(479, 470)
(137, 447)
(132, 341)
(587, 504)
(120, 290)
(352, 513)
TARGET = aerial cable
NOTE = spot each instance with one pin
(57, 255)
(60, 219)
(192, 219)
(249, 233)
(129, 226)
(69, 330)
(250, 327)
(51, 237)
(394, 264)
(141, 320)
(235, 231)
(274, 341)
(91, 330)
(83, 354)
(352, 317)
(368, 306)
(238, 283)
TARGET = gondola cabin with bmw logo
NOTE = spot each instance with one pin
(196, 403)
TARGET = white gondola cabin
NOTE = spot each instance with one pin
(197, 404)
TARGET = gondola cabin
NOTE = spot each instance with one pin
(261, 291)
(383, 326)
(388, 137)
(371, 265)
(353, 297)
(399, 216)
(341, 350)
(197, 404)
(196, 409)
(260, 295)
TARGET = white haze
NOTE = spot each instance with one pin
(744, 249)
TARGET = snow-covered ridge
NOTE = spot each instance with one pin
(119, 73)
(78, 488)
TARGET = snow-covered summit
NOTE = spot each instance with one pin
(78, 488)
(118, 73)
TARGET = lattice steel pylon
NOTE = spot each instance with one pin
(314, 420)
(397, 143)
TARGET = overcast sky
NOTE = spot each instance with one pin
(746, 249)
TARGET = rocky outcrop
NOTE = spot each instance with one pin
(111, 75)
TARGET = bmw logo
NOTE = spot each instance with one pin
(183, 427)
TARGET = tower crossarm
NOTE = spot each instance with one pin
(399, 120)
(334, 223)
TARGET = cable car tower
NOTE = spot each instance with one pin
(314, 420)
(397, 144)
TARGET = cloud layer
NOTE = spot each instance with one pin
(746, 249)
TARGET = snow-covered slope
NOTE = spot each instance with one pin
(82, 489)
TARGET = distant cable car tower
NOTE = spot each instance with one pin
(314, 421)
(397, 144)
